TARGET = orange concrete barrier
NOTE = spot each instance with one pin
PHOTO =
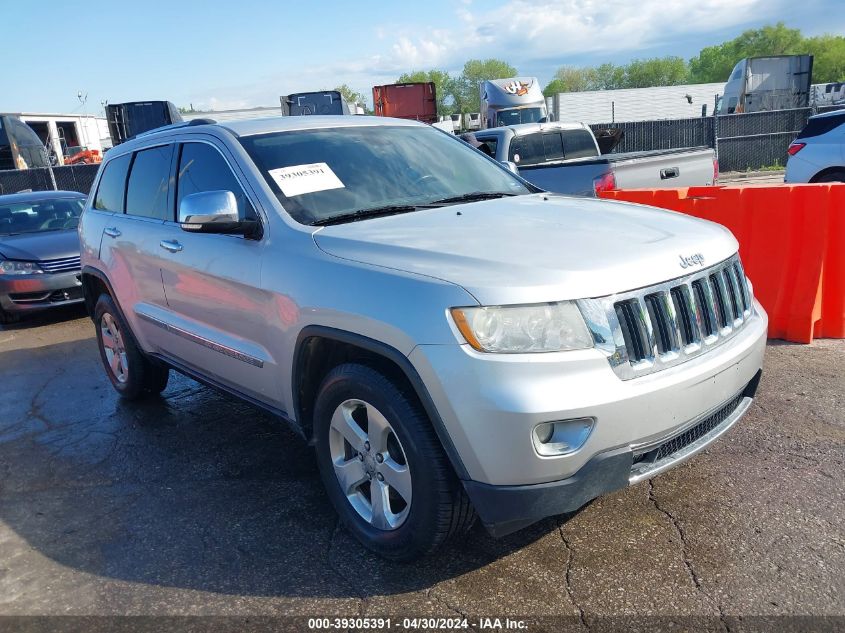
(792, 244)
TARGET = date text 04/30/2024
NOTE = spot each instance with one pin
(384, 624)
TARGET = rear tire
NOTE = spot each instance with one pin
(400, 497)
(131, 373)
(831, 176)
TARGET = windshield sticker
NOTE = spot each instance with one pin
(302, 179)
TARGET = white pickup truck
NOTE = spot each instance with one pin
(565, 158)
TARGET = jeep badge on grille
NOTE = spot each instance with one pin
(696, 259)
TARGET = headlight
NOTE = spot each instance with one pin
(544, 327)
(11, 267)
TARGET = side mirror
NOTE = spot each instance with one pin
(511, 166)
(213, 212)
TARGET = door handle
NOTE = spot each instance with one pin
(112, 231)
(670, 172)
(170, 245)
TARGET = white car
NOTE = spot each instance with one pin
(818, 154)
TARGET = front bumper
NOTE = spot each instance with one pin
(28, 293)
(490, 404)
(505, 509)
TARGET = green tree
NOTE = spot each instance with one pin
(714, 63)
(658, 71)
(554, 87)
(607, 77)
(640, 73)
(352, 97)
(828, 53)
(444, 87)
(475, 71)
(570, 79)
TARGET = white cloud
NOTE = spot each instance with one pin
(519, 31)
(548, 28)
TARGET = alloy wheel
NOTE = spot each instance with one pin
(370, 464)
(114, 348)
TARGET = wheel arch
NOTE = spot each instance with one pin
(827, 171)
(320, 348)
(94, 283)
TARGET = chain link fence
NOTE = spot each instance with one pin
(757, 139)
(67, 178)
(664, 134)
(742, 141)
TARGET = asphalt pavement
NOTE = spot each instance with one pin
(195, 504)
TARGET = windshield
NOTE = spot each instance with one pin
(519, 115)
(326, 173)
(36, 216)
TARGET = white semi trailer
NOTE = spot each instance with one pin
(759, 84)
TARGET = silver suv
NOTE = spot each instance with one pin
(452, 341)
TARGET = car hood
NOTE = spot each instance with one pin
(40, 246)
(534, 248)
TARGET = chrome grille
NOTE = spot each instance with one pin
(62, 265)
(653, 328)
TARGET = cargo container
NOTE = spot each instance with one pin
(308, 103)
(417, 101)
(126, 120)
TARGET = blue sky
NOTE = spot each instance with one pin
(247, 53)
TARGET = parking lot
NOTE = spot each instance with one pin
(194, 504)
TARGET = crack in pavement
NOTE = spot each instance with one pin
(568, 577)
(34, 410)
(679, 530)
(430, 593)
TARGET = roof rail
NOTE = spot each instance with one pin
(175, 126)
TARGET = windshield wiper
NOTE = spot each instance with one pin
(475, 196)
(394, 209)
(363, 214)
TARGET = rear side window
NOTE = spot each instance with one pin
(817, 127)
(536, 149)
(112, 185)
(578, 144)
(202, 168)
(527, 150)
(146, 192)
(552, 146)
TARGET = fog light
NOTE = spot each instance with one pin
(563, 437)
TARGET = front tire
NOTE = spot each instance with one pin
(132, 374)
(383, 466)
